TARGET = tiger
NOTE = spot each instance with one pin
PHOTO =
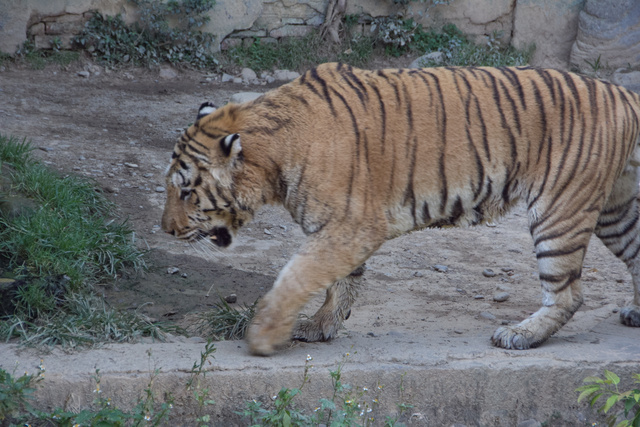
(358, 157)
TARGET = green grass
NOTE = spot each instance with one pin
(58, 249)
(224, 322)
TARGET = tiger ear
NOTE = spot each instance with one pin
(205, 108)
(230, 145)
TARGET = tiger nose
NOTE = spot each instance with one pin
(168, 225)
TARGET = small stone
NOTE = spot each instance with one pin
(487, 315)
(172, 270)
(616, 310)
(441, 268)
(248, 74)
(478, 297)
(226, 78)
(457, 331)
(241, 97)
(167, 73)
(131, 165)
(504, 322)
(507, 269)
(266, 231)
(487, 272)
(501, 296)
(159, 189)
(529, 423)
(285, 75)
(237, 80)
(84, 74)
(231, 299)
(418, 274)
(371, 334)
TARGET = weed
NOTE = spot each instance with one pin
(596, 387)
(15, 394)
(38, 58)
(152, 40)
(194, 384)
(595, 65)
(224, 322)
(68, 242)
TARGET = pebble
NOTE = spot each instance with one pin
(184, 275)
(159, 189)
(418, 274)
(487, 272)
(248, 74)
(371, 334)
(266, 231)
(172, 270)
(131, 165)
(84, 74)
(487, 315)
(441, 268)
(478, 297)
(231, 299)
(501, 296)
(226, 78)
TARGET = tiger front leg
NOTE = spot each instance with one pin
(319, 264)
(324, 325)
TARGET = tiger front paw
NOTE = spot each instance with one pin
(630, 315)
(514, 338)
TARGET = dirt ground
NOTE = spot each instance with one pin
(119, 128)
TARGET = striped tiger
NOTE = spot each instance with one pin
(358, 157)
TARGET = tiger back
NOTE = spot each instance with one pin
(358, 157)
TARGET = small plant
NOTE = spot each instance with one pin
(15, 394)
(224, 322)
(284, 412)
(595, 65)
(607, 387)
(194, 384)
(153, 39)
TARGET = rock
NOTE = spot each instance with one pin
(226, 78)
(172, 270)
(487, 315)
(501, 296)
(237, 80)
(418, 274)
(167, 73)
(551, 25)
(239, 98)
(285, 75)
(84, 74)
(231, 299)
(248, 74)
(270, 79)
(627, 78)
(159, 189)
(487, 272)
(441, 268)
(608, 31)
(131, 165)
(478, 297)
(529, 423)
(430, 59)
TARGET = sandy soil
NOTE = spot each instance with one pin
(119, 128)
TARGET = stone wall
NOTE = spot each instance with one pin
(549, 24)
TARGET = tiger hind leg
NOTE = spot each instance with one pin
(619, 229)
(324, 325)
(560, 243)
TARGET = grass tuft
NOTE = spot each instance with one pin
(224, 322)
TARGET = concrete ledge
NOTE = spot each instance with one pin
(446, 384)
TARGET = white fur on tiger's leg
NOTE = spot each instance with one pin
(619, 229)
(325, 324)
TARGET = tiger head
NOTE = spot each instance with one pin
(202, 200)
